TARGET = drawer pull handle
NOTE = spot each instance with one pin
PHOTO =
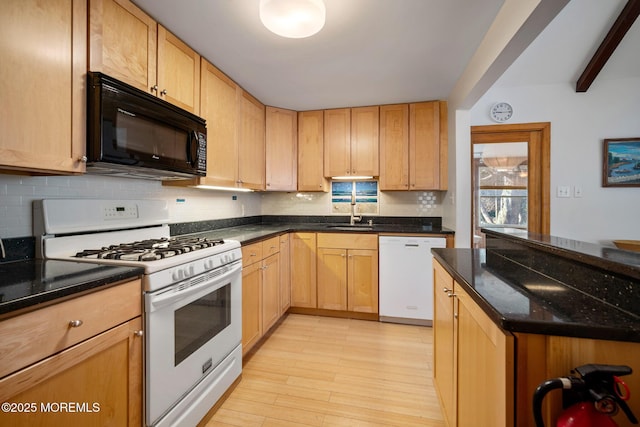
(138, 333)
(75, 323)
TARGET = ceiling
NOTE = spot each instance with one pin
(385, 51)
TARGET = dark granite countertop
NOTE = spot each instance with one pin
(520, 299)
(31, 283)
(253, 232)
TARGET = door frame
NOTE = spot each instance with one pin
(538, 137)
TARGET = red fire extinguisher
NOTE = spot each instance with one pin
(589, 400)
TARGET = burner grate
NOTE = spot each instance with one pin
(150, 249)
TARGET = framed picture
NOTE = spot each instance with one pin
(621, 162)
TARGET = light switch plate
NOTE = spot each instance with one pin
(563, 191)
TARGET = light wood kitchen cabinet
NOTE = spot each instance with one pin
(413, 146)
(129, 45)
(281, 149)
(219, 106)
(428, 142)
(484, 366)
(44, 56)
(351, 142)
(57, 362)
(311, 151)
(444, 343)
(347, 272)
(303, 270)
(285, 273)
(394, 147)
(473, 359)
(178, 72)
(251, 143)
(260, 290)
(251, 305)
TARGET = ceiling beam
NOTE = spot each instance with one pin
(609, 44)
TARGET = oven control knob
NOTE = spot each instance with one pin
(177, 275)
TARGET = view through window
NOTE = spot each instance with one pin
(500, 194)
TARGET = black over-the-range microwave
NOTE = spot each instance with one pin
(135, 134)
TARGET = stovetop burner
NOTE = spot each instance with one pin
(150, 249)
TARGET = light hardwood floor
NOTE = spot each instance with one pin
(322, 371)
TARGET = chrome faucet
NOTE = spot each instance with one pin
(354, 218)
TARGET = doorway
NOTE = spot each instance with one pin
(510, 178)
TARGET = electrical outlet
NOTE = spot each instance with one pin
(563, 191)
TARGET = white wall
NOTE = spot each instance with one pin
(185, 204)
(579, 124)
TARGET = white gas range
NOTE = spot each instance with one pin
(192, 291)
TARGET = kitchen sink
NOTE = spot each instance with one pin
(355, 227)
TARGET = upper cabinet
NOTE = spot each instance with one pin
(43, 53)
(413, 146)
(351, 142)
(311, 151)
(129, 45)
(219, 106)
(251, 145)
(281, 149)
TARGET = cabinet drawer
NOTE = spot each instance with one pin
(251, 253)
(270, 246)
(32, 336)
(348, 240)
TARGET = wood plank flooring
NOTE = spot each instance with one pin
(323, 371)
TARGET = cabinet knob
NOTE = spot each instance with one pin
(154, 88)
(138, 333)
(75, 323)
(451, 295)
(446, 290)
(82, 159)
(164, 92)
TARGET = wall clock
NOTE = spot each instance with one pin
(501, 112)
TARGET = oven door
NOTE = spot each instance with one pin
(190, 327)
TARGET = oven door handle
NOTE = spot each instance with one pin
(178, 291)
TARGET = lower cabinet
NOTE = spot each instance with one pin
(285, 273)
(348, 272)
(97, 381)
(473, 359)
(303, 270)
(261, 290)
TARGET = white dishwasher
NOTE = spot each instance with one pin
(406, 278)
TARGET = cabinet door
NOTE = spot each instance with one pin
(443, 342)
(362, 280)
(270, 291)
(251, 306)
(285, 274)
(178, 72)
(394, 147)
(337, 142)
(123, 42)
(427, 153)
(332, 279)
(311, 152)
(303, 270)
(219, 107)
(281, 149)
(44, 59)
(365, 141)
(105, 370)
(251, 144)
(485, 367)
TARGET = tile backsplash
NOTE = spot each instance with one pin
(185, 204)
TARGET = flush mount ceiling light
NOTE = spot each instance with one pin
(294, 19)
